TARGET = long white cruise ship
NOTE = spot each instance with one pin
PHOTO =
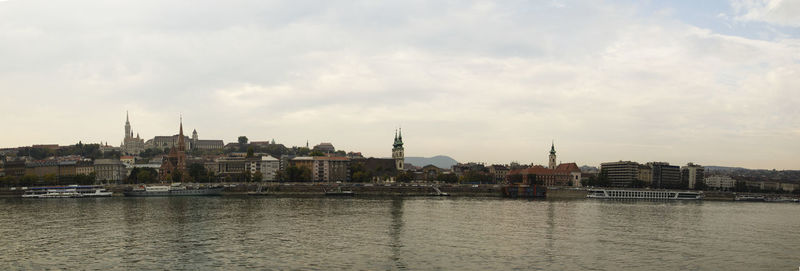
(644, 194)
(70, 191)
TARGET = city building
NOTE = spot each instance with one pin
(205, 144)
(109, 170)
(130, 144)
(15, 168)
(620, 174)
(127, 160)
(330, 169)
(84, 167)
(166, 142)
(723, 183)
(499, 172)
(302, 162)
(665, 175)
(42, 168)
(175, 162)
(431, 172)
(226, 166)
(397, 150)
(692, 174)
(267, 165)
(568, 174)
(645, 175)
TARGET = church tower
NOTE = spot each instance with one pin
(128, 133)
(552, 156)
(397, 151)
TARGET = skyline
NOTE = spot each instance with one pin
(714, 83)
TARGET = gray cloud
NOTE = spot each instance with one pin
(481, 81)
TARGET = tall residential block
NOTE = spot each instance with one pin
(692, 174)
(665, 175)
(620, 174)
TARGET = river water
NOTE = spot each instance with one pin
(237, 233)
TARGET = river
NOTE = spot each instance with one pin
(237, 233)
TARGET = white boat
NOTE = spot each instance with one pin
(644, 194)
(70, 191)
(174, 190)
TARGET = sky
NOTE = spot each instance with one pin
(709, 82)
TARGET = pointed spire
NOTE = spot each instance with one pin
(127, 119)
(400, 134)
(552, 147)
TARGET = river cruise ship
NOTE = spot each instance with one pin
(643, 194)
(70, 191)
(173, 190)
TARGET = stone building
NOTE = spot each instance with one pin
(130, 144)
(205, 144)
(109, 170)
(175, 162)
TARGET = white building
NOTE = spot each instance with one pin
(267, 165)
(720, 183)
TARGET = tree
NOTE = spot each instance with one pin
(28, 180)
(317, 153)
(250, 151)
(404, 177)
(50, 179)
(198, 172)
(296, 174)
(701, 185)
(176, 176)
(258, 176)
(447, 178)
(144, 176)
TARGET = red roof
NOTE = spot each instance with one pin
(568, 167)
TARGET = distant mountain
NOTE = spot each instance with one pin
(441, 161)
(589, 169)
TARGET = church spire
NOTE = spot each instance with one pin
(181, 142)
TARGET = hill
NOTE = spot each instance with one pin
(441, 161)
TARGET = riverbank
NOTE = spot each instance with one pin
(387, 190)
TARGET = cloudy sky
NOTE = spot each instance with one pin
(711, 82)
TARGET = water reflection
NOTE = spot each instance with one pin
(395, 230)
(397, 233)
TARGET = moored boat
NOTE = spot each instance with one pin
(70, 191)
(644, 194)
(174, 190)
(338, 192)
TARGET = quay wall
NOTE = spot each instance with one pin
(566, 193)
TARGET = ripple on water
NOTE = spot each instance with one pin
(417, 233)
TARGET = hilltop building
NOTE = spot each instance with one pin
(175, 162)
(130, 144)
(205, 144)
(325, 147)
